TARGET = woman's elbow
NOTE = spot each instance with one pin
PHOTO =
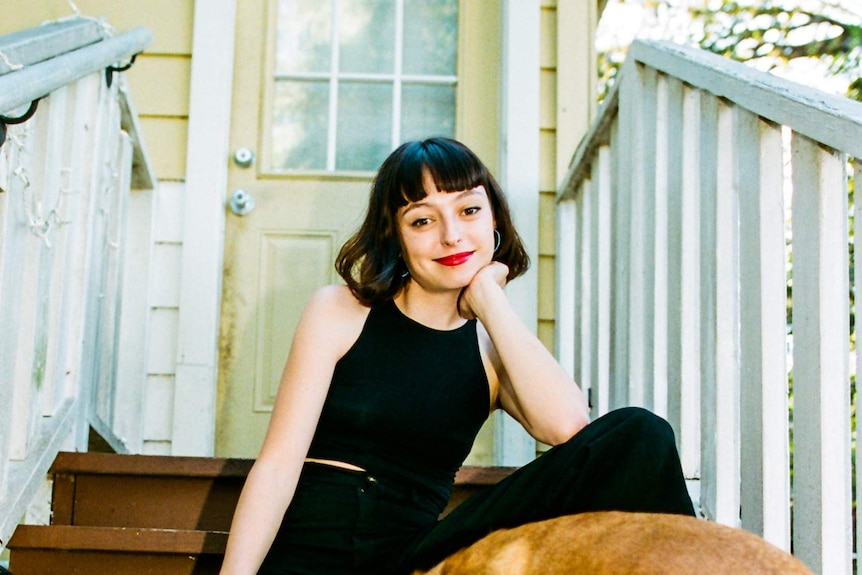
(566, 427)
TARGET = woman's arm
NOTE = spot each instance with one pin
(329, 321)
(533, 387)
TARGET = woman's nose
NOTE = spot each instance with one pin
(451, 233)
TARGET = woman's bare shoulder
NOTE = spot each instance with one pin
(334, 308)
(337, 299)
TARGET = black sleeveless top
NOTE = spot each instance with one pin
(406, 402)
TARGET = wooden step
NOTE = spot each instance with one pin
(137, 514)
(167, 492)
(76, 550)
(105, 489)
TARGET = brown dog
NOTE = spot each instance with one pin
(617, 543)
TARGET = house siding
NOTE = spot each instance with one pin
(568, 87)
(547, 171)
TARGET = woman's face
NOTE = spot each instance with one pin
(446, 237)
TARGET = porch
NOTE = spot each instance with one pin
(681, 309)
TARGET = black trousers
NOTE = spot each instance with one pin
(347, 523)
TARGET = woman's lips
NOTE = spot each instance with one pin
(454, 259)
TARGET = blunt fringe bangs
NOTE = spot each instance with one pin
(370, 263)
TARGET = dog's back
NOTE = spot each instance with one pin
(617, 543)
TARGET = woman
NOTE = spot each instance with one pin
(391, 376)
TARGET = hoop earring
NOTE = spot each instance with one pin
(406, 271)
(497, 240)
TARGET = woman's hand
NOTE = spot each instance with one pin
(490, 277)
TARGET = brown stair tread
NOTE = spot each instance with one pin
(153, 465)
(126, 539)
(158, 465)
(167, 492)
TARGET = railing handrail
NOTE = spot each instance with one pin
(805, 110)
(34, 45)
(776, 99)
(31, 82)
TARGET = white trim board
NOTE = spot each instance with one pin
(203, 228)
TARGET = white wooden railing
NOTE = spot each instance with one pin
(65, 179)
(701, 179)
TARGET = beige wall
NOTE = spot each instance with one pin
(568, 77)
(159, 79)
(547, 171)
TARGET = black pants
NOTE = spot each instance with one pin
(626, 460)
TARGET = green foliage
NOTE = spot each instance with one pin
(776, 32)
(768, 34)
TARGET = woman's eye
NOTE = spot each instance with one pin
(472, 210)
(420, 222)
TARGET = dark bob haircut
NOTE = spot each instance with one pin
(369, 261)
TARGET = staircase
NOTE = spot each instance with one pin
(140, 515)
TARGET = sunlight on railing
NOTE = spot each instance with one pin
(673, 267)
(65, 177)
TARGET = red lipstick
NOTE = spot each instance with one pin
(454, 259)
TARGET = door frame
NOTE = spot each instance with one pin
(211, 92)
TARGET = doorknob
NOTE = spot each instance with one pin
(241, 202)
(243, 157)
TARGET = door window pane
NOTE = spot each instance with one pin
(366, 36)
(430, 36)
(303, 39)
(427, 110)
(352, 79)
(364, 135)
(299, 125)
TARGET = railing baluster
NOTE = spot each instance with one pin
(726, 393)
(585, 281)
(602, 284)
(578, 283)
(566, 262)
(821, 410)
(623, 213)
(719, 316)
(641, 96)
(31, 250)
(689, 278)
(765, 482)
(662, 293)
(52, 280)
